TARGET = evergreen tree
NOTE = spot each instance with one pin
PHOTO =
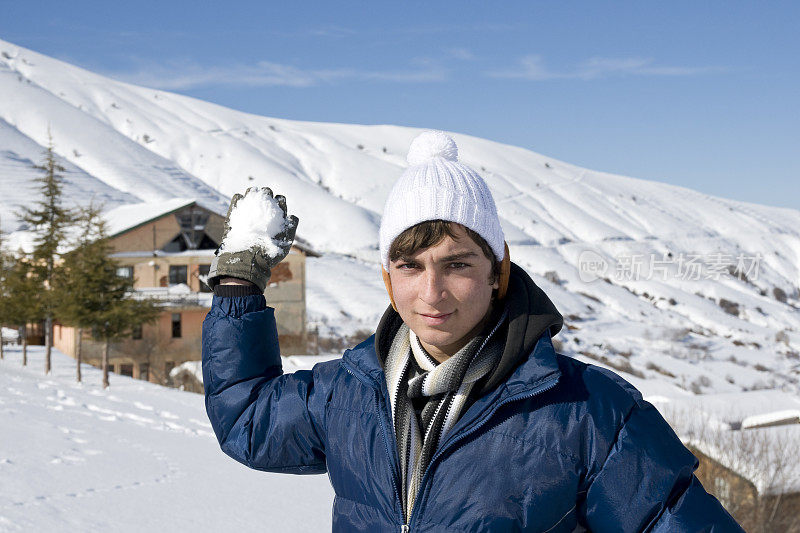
(50, 221)
(22, 298)
(93, 296)
(5, 264)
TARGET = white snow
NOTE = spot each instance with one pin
(255, 221)
(344, 295)
(10, 334)
(134, 457)
(775, 418)
(291, 363)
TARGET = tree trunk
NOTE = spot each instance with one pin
(1, 343)
(78, 354)
(105, 364)
(24, 330)
(48, 341)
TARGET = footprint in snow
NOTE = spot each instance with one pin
(201, 423)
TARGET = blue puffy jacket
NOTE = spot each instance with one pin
(558, 446)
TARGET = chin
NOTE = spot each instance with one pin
(437, 338)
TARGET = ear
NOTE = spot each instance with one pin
(505, 274)
(388, 282)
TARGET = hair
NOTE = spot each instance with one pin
(432, 232)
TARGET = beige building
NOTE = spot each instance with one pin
(167, 248)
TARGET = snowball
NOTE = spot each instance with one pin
(254, 222)
(432, 144)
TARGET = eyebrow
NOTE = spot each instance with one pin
(458, 257)
(445, 259)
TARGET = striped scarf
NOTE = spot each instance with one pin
(446, 388)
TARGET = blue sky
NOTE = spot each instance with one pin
(700, 94)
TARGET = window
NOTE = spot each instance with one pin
(144, 371)
(136, 334)
(176, 325)
(125, 272)
(126, 370)
(202, 272)
(177, 274)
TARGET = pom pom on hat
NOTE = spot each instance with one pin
(432, 144)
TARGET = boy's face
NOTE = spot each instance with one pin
(443, 293)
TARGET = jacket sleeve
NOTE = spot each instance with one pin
(263, 418)
(647, 483)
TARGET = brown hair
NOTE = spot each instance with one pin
(432, 232)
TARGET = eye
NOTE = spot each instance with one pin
(406, 265)
(456, 265)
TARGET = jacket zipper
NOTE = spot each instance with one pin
(381, 400)
(458, 438)
(406, 525)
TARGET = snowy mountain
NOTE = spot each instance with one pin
(663, 283)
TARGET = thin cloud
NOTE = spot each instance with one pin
(461, 53)
(533, 67)
(188, 75)
(331, 31)
(438, 29)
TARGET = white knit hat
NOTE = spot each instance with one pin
(436, 186)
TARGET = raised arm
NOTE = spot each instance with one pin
(262, 418)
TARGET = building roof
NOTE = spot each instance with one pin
(127, 217)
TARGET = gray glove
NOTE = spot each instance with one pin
(253, 265)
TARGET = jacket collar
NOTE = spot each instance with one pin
(537, 372)
(539, 366)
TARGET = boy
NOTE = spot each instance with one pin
(457, 415)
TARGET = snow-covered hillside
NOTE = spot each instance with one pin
(642, 271)
(134, 457)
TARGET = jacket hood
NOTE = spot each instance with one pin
(530, 315)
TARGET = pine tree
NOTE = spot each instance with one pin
(5, 263)
(22, 297)
(93, 296)
(50, 221)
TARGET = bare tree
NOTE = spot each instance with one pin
(755, 472)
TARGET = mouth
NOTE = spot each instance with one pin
(435, 319)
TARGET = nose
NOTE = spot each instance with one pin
(432, 290)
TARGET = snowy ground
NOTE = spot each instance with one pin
(75, 457)
(135, 457)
